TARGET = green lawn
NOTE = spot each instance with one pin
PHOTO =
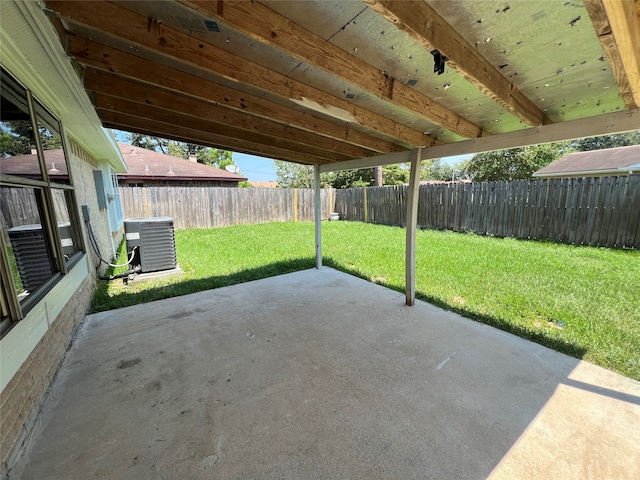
(583, 301)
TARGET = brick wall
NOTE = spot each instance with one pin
(82, 165)
(20, 401)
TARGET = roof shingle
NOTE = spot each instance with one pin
(143, 163)
(609, 161)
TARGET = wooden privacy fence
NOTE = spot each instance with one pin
(209, 207)
(599, 211)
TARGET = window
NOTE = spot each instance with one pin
(41, 235)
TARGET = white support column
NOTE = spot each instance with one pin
(317, 207)
(413, 191)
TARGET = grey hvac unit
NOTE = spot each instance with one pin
(32, 255)
(154, 242)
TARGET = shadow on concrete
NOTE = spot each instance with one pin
(537, 337)
(103, 302)
(606, 392)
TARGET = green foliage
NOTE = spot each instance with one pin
(148, 141)
(293, 175)
(515, 163)
(176, 149)
(436, 169)
(397, 174)
(350, 178)
(214, 157)
(606, 141)
(16, 138)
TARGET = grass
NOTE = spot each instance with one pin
(582, 301)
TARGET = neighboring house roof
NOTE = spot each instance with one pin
(611, 161)
(265, 184)
(28, 166)
(147, 164)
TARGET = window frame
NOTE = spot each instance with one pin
(13, 310)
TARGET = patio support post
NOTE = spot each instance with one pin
(317, 208)
(413, 191)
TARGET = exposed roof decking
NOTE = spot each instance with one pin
(326, 82)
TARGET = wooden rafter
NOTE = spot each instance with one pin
(176, 132)
(267, 26)
(421, 22)
(606, 124)
(142, 110)
(126, 66)
(157, 37)
(617, 25)
(208, 112)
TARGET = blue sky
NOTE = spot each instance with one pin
(260, 169)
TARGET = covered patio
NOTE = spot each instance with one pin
(318, 374)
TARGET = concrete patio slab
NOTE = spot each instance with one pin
(321, 375)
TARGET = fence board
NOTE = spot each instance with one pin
(210, 207)
(599, 211)
(633, 227)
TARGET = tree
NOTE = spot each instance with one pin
(363, 177)
(148, 141)
(515, 163)
(436, 169)
(397, 174)
(214, 157)
(16, 138)
(177, 149)
(606, 141)
(293, 175)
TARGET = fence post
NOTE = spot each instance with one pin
(366, 207)
(411, 223)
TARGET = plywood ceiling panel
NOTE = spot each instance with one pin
(350, 78)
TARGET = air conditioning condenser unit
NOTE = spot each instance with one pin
(154, 241)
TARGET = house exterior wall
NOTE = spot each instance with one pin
(82, 167)
(21, 398)
(32, 349)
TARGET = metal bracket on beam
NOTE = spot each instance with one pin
(439, 61)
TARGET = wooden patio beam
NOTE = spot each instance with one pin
(606, 124)
(261, 23)
(421, 22)
(209, 112)
(617, 25)
(105, 102)
(131, 123)
(161, 39)
(125, 65)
